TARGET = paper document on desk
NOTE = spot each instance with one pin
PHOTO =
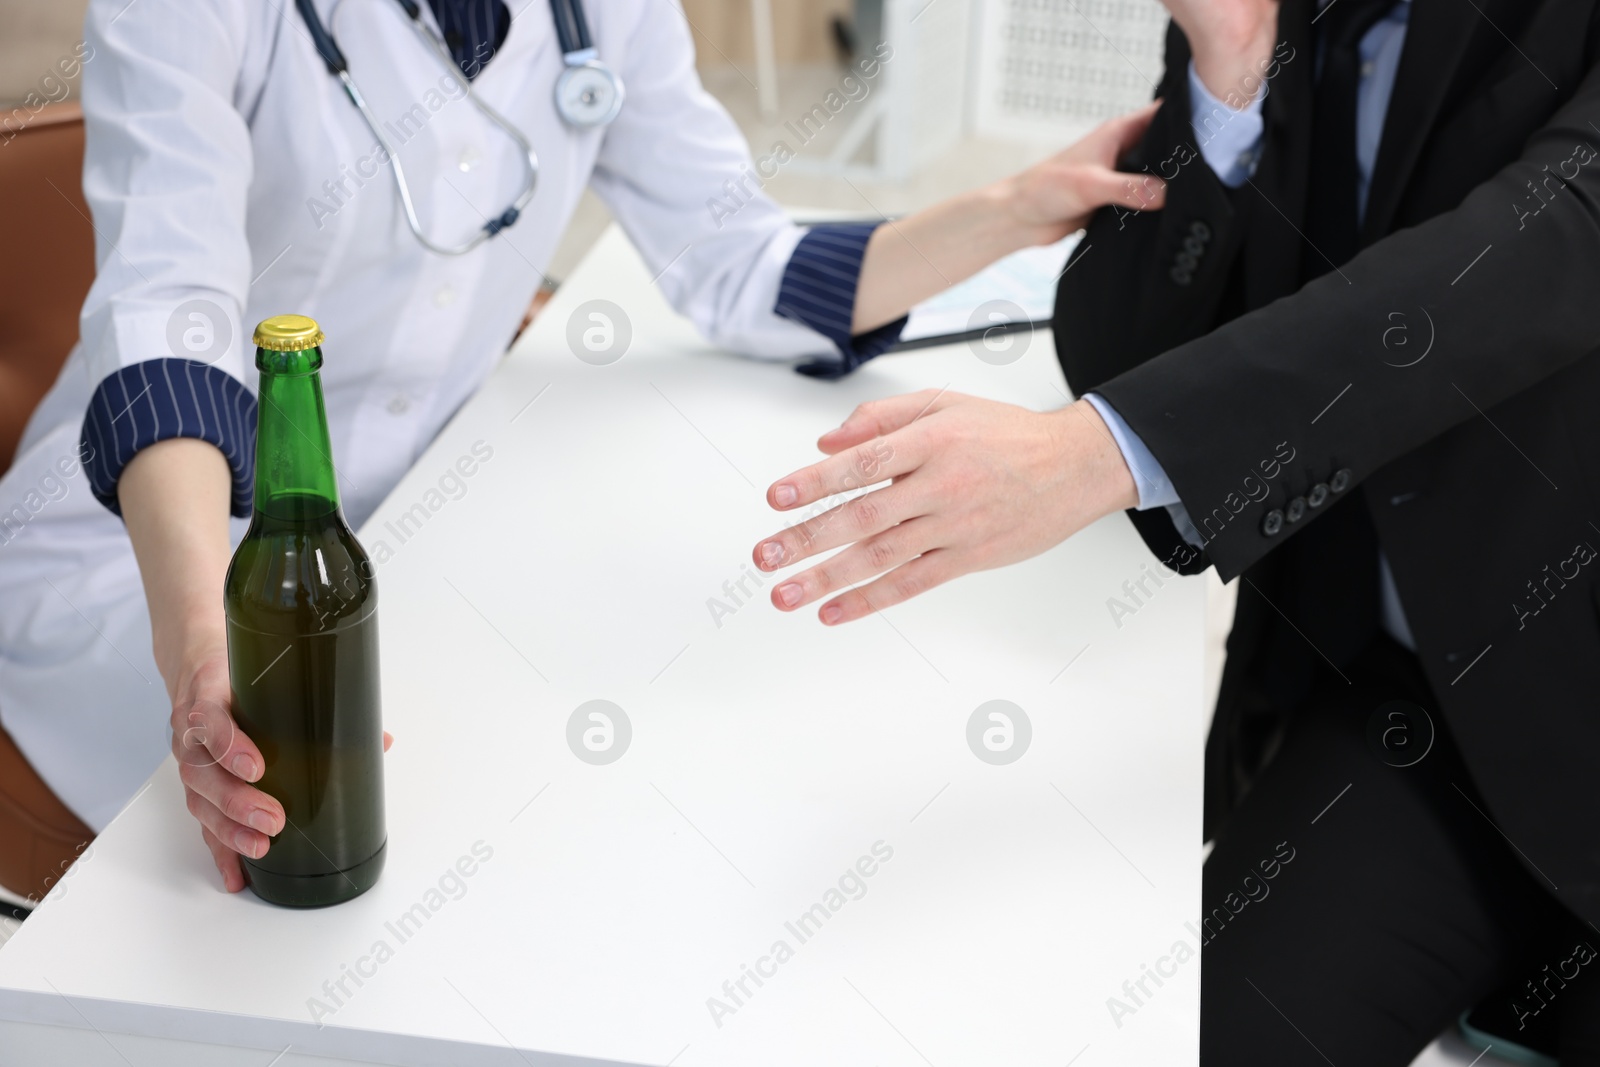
(1020, 288)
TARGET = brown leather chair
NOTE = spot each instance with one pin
(49, 265)
(43, 279)
(39, 835)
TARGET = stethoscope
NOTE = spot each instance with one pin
(588, 94)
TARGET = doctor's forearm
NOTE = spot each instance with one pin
(175, 496)
(913, 258)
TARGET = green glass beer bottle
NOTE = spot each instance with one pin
(303, 642)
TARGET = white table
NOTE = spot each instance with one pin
(768, 755)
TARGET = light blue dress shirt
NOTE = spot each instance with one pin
(1230, 143)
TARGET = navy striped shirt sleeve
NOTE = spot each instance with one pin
(158, 399)
(819, 290)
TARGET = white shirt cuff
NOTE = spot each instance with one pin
(1230, 140)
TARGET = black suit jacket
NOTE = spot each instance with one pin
(1438, 395)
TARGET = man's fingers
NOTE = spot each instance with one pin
(860, 561)
(234, 801)
(227, 862)
(901, 584)
(853, 520)
(203, 733)
(388, 739)
(878, 460)
(879, 418)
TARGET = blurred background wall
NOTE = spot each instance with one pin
(802, 30)
(35, 35)
(975, 88)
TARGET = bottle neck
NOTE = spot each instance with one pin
(295, 479)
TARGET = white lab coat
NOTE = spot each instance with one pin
(224, 163)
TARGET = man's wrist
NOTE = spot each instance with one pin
(1088, 446)
(1230, 67)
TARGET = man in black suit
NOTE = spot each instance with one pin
(1432, 539)
(1355, 366)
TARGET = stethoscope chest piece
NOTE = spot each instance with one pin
(588, 93)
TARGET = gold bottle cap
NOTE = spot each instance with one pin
(288, 333)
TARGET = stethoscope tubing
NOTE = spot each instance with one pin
(572, 31)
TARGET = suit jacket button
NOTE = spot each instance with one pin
(1318, 495)
(1295, 510)
(1200, 230)
(1194, 246)
(1340, 480)
(1180, 276)
(1273, 523)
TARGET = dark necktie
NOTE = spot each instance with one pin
(1332, 221)
(473, 29)
(1333, 565)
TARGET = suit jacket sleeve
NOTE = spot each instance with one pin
(1153, 280)
(1509, 294)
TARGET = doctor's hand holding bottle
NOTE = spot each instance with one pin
(174, 497)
